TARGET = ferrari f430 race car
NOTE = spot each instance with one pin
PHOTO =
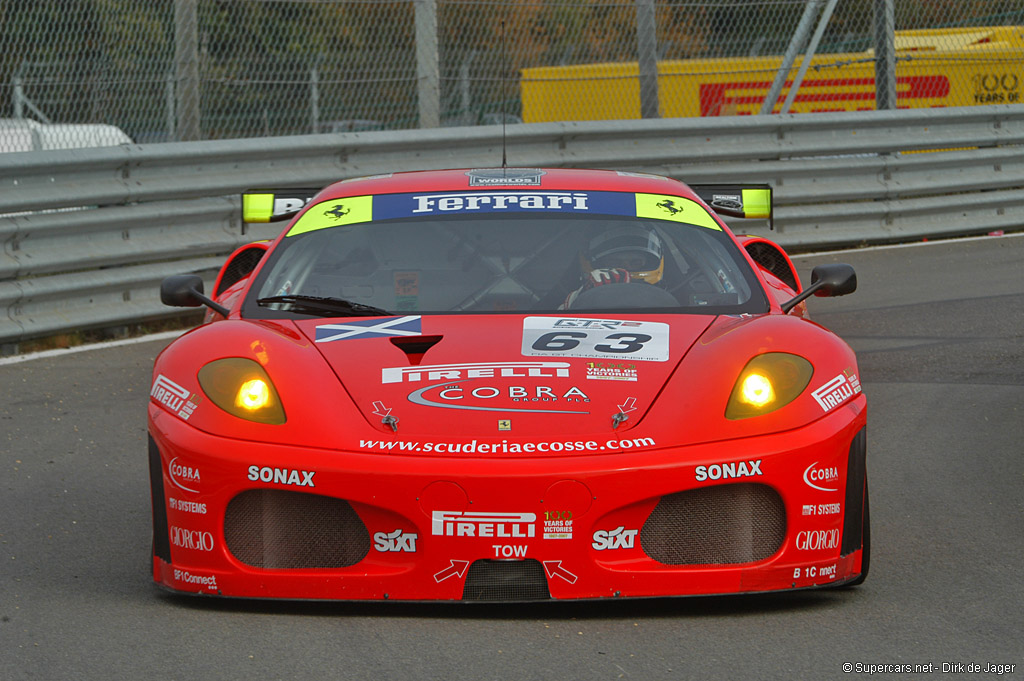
(507, 385)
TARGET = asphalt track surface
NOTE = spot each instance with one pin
(939, 329)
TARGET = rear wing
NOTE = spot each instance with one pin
(738, 200)
(275, 205)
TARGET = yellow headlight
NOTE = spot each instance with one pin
(768, 382)
(254, 394)
(757, 391)
(242, 388)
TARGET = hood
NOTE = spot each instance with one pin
(476, 375)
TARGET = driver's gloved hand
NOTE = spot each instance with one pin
(595, 278)
(608, 275)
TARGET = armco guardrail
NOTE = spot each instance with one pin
(89, 233)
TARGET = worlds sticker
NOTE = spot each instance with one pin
(494, 177)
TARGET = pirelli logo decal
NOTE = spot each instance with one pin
(482, 524)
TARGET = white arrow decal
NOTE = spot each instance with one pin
(457, 567)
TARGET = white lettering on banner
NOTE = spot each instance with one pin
(828, 475)
(619, 538)
(499, 201)
(195, 540)
(836, 391)
(814, 540)
(453, 372)
(395, 541)
(724, 471)
(282, 476)
(182, 476)
(482, 524)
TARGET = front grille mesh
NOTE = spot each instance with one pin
(721, 525)
(280, 529)
(506, 580)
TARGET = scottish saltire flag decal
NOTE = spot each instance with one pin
(369, 328)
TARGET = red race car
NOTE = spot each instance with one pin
(507, 385)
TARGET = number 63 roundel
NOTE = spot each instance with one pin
(597, 338)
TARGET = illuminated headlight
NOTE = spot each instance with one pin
(253, 395)
(768, 382)
(756, 391)
(242, 388)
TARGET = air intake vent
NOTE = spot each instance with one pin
(161, 538)
(241, 266)
(770, 258)
(721, 525)
(856, 472)
(278, 529)
(506, 580)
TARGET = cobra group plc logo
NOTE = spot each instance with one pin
(182, 476)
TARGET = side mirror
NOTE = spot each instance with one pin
(838, 279)
(186, 290)
(179, 290)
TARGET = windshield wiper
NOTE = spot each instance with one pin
(325, 307)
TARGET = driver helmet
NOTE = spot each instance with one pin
(633, 248)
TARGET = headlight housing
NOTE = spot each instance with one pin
(768, 382)
(242, 388)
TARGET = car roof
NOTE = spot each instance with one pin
(508, 179)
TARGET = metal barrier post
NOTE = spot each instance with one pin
(885, 55)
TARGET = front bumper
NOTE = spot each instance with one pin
(768, 513)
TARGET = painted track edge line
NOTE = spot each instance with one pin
(60, 352)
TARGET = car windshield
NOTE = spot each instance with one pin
(503, 262)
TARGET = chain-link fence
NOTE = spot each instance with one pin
(97, 72)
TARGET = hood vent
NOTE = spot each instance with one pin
(415, 347)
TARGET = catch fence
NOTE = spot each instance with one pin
(174, 70)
